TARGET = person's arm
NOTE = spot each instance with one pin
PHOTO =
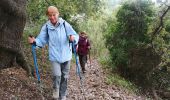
(42, 38)
(71, 33)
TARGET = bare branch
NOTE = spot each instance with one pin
(47, 2)
(161, 24)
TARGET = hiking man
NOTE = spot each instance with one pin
(57, 33)
(83, 49)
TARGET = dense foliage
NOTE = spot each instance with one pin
(68, 9)
(135, 50)
(133, 20)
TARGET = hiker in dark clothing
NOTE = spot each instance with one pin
(83, 49)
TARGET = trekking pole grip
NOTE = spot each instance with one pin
(34, 43)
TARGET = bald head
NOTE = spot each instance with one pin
(52, 10)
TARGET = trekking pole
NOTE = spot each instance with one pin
(90, 58)
(35, 60)
(78, 71)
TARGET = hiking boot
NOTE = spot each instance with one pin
(63, 98)
(56, 94)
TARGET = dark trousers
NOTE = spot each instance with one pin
(83, 61)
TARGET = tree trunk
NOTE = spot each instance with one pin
(12, 22)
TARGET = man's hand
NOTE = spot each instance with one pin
(31, 40)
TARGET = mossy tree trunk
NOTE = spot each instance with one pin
(12, 22)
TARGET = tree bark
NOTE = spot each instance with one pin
(12, 22)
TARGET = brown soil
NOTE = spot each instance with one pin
(16, 85)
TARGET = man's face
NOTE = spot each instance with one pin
(53, 17)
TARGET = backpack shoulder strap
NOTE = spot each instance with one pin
(66, 32)
(47, 30)
(64, 24)
(65, 27)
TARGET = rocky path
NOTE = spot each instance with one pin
(95, 87)
(15, 85)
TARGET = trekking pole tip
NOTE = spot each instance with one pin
(39, 82)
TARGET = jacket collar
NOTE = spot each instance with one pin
(51, 26)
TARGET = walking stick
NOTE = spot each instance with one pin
(35, 60)
(78, 70)
(89, 58)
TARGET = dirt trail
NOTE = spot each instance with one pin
(95, 87)
(15, 85)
